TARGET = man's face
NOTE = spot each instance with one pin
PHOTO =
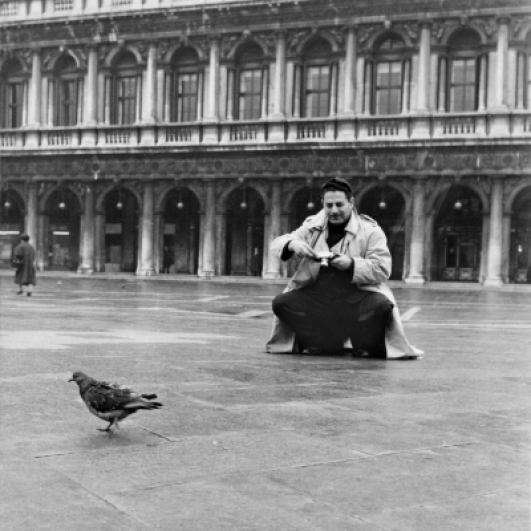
(337, 207)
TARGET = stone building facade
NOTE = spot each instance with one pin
(184, 136)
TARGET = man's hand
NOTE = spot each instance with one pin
(302, 249)
(341, 262)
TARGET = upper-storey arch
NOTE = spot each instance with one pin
(309, 40)
(183, 48)
(246, 42)
(389, 39)
(120, 54)
(466, 34)
(463, 71)
(13, 93)
(59, 57)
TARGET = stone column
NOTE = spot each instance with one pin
(297, 91)
(441, 104)
(146, 260)
(40, 247)
(90, 112)
(502, 48)
(424, 69)
(520, 89)
(230, 94)
(346, 129)
(494, 257)
(482, 93)
(416, 250)
(279, 108)
(367, 88)
(209, 232)
(275, 226)
(99, 247)
(213, 82)
(149, 97)
(265, 91)
(34, 100)
(332, 111)
(499, 119)
(32, 214)
(350, 74)
(87, 242)
(107, 100)
(210, 127)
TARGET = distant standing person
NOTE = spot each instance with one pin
(167, 259)
(25, 275)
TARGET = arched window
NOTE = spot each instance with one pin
(13, 89)
(317, 75)
(391, 76)
(186, 86)
(68, 86)
(462, 81)
(249, 75)
(126, 91)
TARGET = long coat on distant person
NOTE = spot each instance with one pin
(26, 271)
(366, 244)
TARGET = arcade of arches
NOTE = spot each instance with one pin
(475, 230)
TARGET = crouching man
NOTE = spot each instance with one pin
(337, 299)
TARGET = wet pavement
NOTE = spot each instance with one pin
(252, 441)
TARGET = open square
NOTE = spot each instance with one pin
(254, 441)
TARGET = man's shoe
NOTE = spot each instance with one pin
(312, 351)
(20, 292)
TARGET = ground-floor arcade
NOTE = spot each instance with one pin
(218, 217)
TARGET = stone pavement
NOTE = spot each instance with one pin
(252, 441)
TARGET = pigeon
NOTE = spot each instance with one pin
(110, 401)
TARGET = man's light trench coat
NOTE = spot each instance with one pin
(366, 244)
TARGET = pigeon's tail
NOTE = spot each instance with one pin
(149, 397)
(142, 404)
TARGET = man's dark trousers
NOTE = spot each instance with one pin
(322, 321)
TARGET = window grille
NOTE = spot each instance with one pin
(8, 8)
(63, 5)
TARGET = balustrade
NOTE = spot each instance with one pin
(365, 128)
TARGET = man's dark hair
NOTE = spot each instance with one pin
(25, 238)
(337, 185)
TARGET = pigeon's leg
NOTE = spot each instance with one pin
(108, 428)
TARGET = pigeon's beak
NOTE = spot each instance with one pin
(71, 380)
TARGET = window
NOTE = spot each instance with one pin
(12, 91)
(529, 81)
(249, 77)
(388, 87)
(317, 78)
(317, 91)
(250, 94)
(463, 71)
(126, 93)
(67, 83)
(185, 81)
(126, 98)
(8, 8)
(390, 77)
(463, 85)
(186, 97)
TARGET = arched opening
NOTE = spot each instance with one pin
(457, 231)
(461, 93)
(186, 81)
(180, 237)
(305, 202)
(121, 231)
(520, 257)
(66, 88)
(62, 231)
(317, 78)
(126, 90)
(245, 232)
(250, 72)
(387, 206)
(13, 93)
(391, 76)
(11, 224)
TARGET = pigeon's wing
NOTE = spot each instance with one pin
(104, 398)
